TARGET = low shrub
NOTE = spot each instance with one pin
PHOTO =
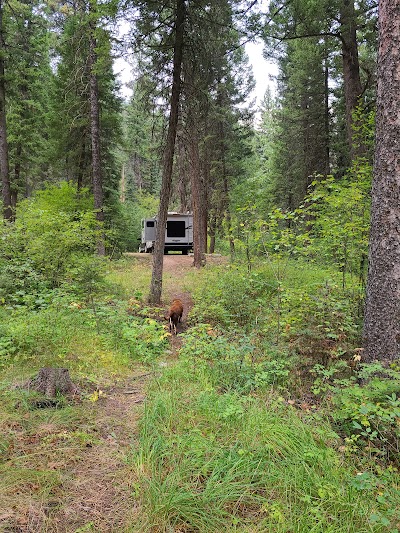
(51, 245)
(82, 337)
(233, 298)
(364, 407)
(319, 323)
(232, 363)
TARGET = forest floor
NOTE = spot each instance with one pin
(157, 442)
(67, 470)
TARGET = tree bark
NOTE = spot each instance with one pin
(53, 381)
(212, 232)
(17, 177)
(197, 196)
(326, 116)
(382, 310)
(95, 139)
(4, 162)
(158, 255)
(351, 68)
(183, 172)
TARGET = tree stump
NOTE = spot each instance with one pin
(51, 381)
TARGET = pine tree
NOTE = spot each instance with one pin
(144, 125)
(158, 257)
(4, 161)
(301, 148)
(337, 23)
(382, 326)
(86, 112)
(29, 82)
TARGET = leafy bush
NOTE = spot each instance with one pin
(339, 213)
(319, 322)
(366, 407)
(232, 364)
(51, 245)
(234, 298)
(279, 305)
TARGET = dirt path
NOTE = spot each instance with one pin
(88, 452)
(98, 494)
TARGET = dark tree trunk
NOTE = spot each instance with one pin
(95, 140)
(382, 311)
(351, 68)
(122, 194)
(17, 177)
(158, 255)
(197, 196)
(212, 233)
(183, 172)
(53, 381)
(326, 116)
(225, 197)
(206, 187)
(228, 217)
(4, 164)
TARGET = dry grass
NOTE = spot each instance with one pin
(65, 469)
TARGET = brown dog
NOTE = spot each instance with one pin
(174, 314)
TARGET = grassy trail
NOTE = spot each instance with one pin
(65, 470)
(159, 443)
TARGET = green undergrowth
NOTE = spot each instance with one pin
(103, 343)
(212, 461)
(292, 305)
(89, 340)
(131, 275)
(267, 421)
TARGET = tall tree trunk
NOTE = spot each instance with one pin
(326, 115)
(17, 177)
(351, 68)
(4, 164)
(183, 171)
(122, 193)
(95, 140)
(158, 255)
(228, 216)
(382, 311)
(197, 196)
(205, 183)
(212, 232)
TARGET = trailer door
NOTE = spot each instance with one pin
(176, 229)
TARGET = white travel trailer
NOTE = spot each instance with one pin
(178, 233)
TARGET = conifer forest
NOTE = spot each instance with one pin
(242, 376)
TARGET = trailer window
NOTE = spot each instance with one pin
(176, 228)
(150, 223)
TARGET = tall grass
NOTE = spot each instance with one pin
(213, 462)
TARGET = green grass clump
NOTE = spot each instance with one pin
(234, 362)
(131, 275)
(88, 339)
(223, 462)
